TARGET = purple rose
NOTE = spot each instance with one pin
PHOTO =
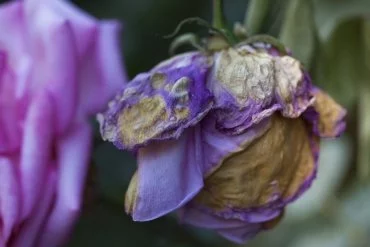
(58, 66)
(227, 139)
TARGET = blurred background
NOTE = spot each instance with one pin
(332, 38)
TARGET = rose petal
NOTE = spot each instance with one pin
(255, 184)
(160, 104)
(169, 175)
(10, 198)
(36, 149)
(251, 85)
(242, 234)
(326, 116)
(30, 231)
(200, 218)
(52, 43)
(73, 153)
(102, 69)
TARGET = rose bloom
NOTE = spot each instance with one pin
(227, 139)
(58, 66)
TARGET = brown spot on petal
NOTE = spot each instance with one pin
(158, 80)
(330, 113)
(131, 194)
(274, 165)
(143, 120)
(288, 75)
(246, 75)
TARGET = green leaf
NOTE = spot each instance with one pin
(255, 15)
(330, 13)
(363, 112)
(298, 30)
(340, 67)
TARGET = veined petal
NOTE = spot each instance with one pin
(160, 104)
(250, 85)
(255, 184)
(326, 116)
(169, 175)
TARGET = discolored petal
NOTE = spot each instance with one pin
(326, 116)
(255, 184)
(160, 104)
(169, 175)
(251, 84)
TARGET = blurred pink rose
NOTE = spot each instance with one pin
(58, 66)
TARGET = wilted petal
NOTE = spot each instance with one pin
(73, 153)
(254, 185)
(326, 116)
(160, 104)
(217, 146)
(36, 149)
(10, 198)
(29, 233)
(251, 85)
(169, 175)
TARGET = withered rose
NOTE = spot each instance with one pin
(227, 139)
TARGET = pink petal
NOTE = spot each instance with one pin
(169, 175)
(106, 76)
(10, 199)
(27, 237)
(54, 51)
(36, 149)
(73, 154)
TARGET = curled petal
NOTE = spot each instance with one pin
(73, 152)
(160, 104)
(251, 85)
(168, 176)
(326, 116)
(254, 185)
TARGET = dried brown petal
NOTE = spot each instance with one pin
(274, 166)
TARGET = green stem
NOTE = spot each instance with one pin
(218, 15)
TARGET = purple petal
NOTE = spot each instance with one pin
(251, 85)
(73, 153)
(36, 149)
(52, 43)
(160, 104)
(29, 233)
(169, 175)
(255, 184)
(10, 198)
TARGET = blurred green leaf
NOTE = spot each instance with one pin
(255, 15)
(298, 30)
(114, 170)
(341, 65)
(330, 13)
(364, 113)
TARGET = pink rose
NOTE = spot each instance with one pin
(58, 66)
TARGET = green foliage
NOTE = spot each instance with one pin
(298, 30)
